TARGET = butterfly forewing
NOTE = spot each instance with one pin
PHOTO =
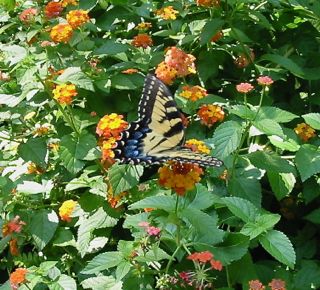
(158, 134)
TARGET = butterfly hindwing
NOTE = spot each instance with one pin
(158, 134)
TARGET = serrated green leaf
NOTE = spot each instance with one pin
(98, 220)
(314, 216)
(110, 47)
(163, 202)
(241, 208)
(268, 127)
(99, 283)
(74, 149)
(123, 269)
(308, 161)
(124, 177)
(103, 262)
(270, 162)
(279, 246)
(65, 282)
(233, 248)
(284, 144)
(226, 139)
(203, 199)
(42, 227)
(281, 183)
(247, 188)
(261, 224)
(312, 119)
(203, 225)
(243, 112)
(75, 76)
(275, 114)
(35, 150)
(210, 29)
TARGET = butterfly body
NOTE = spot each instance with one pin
(158, 134)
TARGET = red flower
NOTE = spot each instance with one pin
(215, 264)
(53, 9)
(201, 257)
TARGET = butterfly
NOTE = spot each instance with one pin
(158, 134)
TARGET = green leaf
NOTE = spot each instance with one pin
(75, 76)
(242, 111)
(281, 183)
(100, 283)
(66, 283)
(42, 227)
(279, 246)
(124, 177)
(270, 162)
(233, 248)
(203, 225)
(98, 220)
(307, 276)
(103, 262)
(275, 114)
(4, 242)
(268, 127)
(210, 29)
(75, 149)
(163, 202)
(8, 5)
(123, 269)
(30, 187)
(260, 225)
(35, 150)
(64, 237)
(247, 188)
(239, 35)
(241, 208)
(284, 144)
(110, 47)
(312, 119)
(308, 161)
(13, 54)
(11, 100)
(154, 254)
(126, 82)
(203, 199)
(314, 216)
(226, 139)
(6, 286)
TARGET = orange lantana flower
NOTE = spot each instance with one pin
(107, 148)
(179, 176)
(13, 246)
(142, 40)
(66, 209)
(167, 13)
(65, 3)
(208, 3)
(53, 9)
(210, 114)
(111, 126)
(182, 62)
(165, 73)
(61, 32)
(143, 26)
(197, 146)
(64, 93)
(193, 93)
(304, 131)
(18, 277)
(77, 17)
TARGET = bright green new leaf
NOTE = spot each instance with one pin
(241, 208)
(124, 177)
(312, 119)
(226, 138)
(279, 246)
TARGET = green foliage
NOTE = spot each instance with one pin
(76, 220)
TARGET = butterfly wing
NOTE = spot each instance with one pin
(158, 134)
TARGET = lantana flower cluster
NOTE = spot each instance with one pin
(18, 277)
(180, 177)
(64, 93)
(210, 114)
(305, 131)
(109, 129)
(193, 93)
(167, 13)
(142, 40)
(66, 210)
(275, 284)
(208, 3)
(177, 63)
(63, 32)
(197, 146)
